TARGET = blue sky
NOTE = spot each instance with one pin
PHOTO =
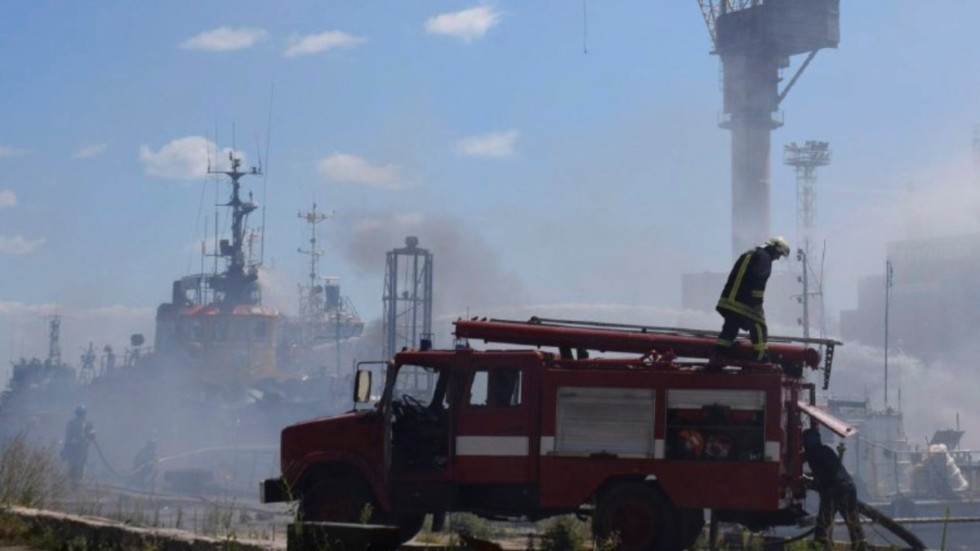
(565, 176)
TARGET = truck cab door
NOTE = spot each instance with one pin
(494, 440)
(418, 423)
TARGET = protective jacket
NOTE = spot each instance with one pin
(746, 285)
(828, 471)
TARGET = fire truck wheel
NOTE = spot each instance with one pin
(691, 523)
(640, 517)
(409, 524)
(337, 499)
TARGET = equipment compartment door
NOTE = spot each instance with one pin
(494, 441)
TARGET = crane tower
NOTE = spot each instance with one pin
(755, 39)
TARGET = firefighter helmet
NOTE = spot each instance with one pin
(779, 245)
(811, 437)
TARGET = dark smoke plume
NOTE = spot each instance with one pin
(468, 275)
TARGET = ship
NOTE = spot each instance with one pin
(224, 372)
(325, 317)
(932, 489)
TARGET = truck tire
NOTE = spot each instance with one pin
(409, 525)
(337, 499)
(691, 522)
(639, 516)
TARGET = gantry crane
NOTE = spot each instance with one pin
(755, 39)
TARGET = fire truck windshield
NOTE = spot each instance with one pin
(417, 385)
(419, 419)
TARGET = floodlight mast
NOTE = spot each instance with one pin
(805, 159)
(755, 39)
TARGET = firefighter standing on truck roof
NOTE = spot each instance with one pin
(837, 492)
(741, 299)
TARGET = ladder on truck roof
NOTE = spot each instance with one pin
(618, 337)
(552, 322)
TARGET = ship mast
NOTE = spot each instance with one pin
(312, 300)
(54, 340)
(237, 285)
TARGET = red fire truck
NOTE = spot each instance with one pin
(627, 424)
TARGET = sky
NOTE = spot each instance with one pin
(560, 155)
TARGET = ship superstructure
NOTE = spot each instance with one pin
(324, 314)
(215, 322)
(326, 317)
(222, 376)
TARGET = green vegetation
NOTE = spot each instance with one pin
(366, 513)
(565, 533)
(472, 525)
(13, 530)
(30, 476)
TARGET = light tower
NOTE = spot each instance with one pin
(806, 158)
(407, 317)
(755, 39)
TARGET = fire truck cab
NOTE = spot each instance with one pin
(643, 438)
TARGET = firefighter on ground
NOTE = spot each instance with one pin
(837, 492)
(79, 434)
(741, 299)
(145, 465)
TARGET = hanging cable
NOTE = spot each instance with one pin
(585, 28)
(265, 172)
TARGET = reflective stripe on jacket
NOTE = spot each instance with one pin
(746, 285)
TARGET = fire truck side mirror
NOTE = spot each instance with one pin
(362, 387)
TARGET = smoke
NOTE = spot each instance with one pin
(606, 313)
(931, 396)
(933, 203)
(369, 346)
(468, 275)
(27, 328)
(859, 222)
(278, 291)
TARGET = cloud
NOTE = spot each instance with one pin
(497, 145)
(184, 158)
(18, 245)
(89, 151)
(325, 41)
(467, 25)
(225, 39)
(6, 152)
(341, 167)
(7, 198)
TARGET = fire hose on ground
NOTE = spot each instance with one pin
(876, 517)
(889, 524)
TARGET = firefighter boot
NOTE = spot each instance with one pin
(716, 363)
(718, 359)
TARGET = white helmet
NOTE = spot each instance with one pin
(779, 245)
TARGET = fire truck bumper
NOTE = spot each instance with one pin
(273, 490)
